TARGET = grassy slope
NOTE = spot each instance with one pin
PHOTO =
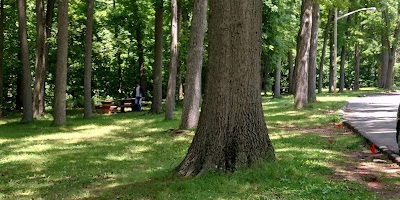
(130, 156)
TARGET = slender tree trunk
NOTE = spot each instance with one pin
(88, 60)
(331, 63)
(303, 55)
(156, 105)
(61, 66)
(342, 63)
(171, 91)
(191, 103)
(312, 66)
(343, 60)
(19, 96)
(143, 78)
(179, 61)
(232, 132)
(291, 70)
(26, 71)
(321, 64)
(40, 69)
(49, 23)
(357, 67)
(277, 88)
(266, 75)
(1, 54)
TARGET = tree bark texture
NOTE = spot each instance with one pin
(357, 67)
(61, 65)
(321, 64)
(88, 60)
(171, 91)
(331, 56)
(385, 48)
(277, 88)
(291, 70)
(26, 71)
(156, 106)
(179, 79)
(232, 132)
(191, 102)
(303, 55)
(40, 69)
(393, 54)
(312, 65)
(2, 16)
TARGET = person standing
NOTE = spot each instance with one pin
(139, 96)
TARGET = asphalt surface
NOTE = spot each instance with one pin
(374, 117)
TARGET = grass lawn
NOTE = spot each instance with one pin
(132, 156)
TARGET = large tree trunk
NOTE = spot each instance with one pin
(61, 66)
(156, 106)
(277, 88)
(88, 60)
(1, 54)
(385, 48)
(393, 54)
(40, 69)
(26, 71)
(312, 65)
(321, 64)
(232, 132)
(303, 55)
(291, 70)
(171, 91)
(342, 63)
(357, 67)
(331, 56)
(191, 103)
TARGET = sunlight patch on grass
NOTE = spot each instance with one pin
(35, 148)
(24, 157)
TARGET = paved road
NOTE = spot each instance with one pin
(374, 116)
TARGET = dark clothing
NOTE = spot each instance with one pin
(141, 92)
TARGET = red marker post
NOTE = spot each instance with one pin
(373, 149)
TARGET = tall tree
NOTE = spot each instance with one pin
(393, 52)
(191, 102)
(291, 70)
(385, 48)
(43, 31)
(156, 105)
(357, 66)
(303, 52)
(88, 60)
(26, 71)
(277, 85)
(40, 73)
(312, 65)
(61, 66)
(1, 54)
(171, 91)
(321, 64)
(266, 73)
(331, 55)
(232, 132)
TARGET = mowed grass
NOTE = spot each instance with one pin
(132, 156)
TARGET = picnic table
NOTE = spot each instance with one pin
(107, 106)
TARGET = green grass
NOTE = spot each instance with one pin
(131, 156)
